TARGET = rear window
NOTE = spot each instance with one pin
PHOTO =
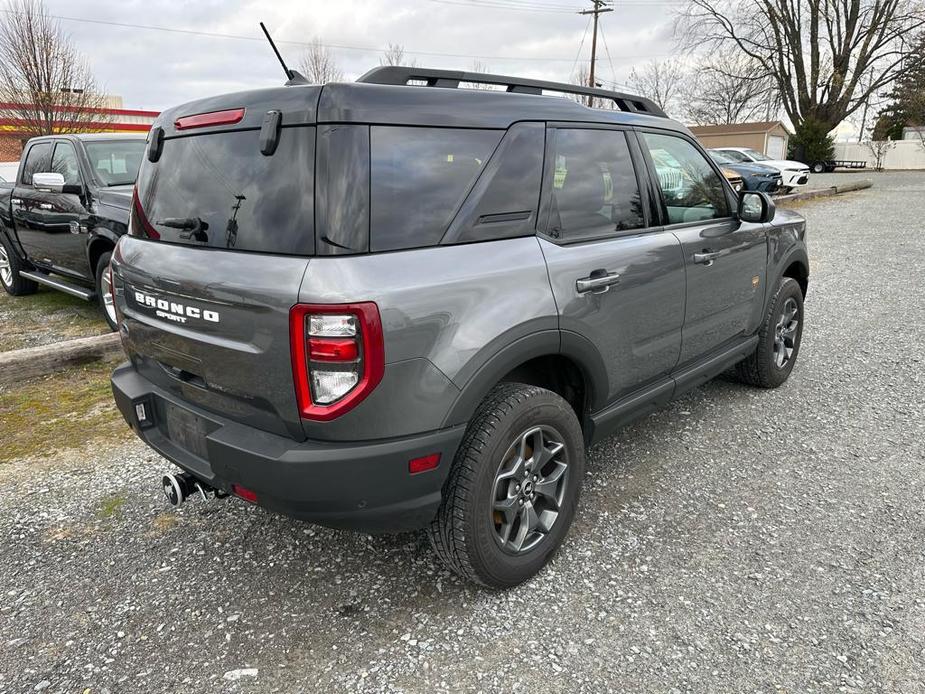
(218, 190)
(419, 178)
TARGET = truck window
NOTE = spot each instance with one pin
(64, 162)
(419, 178)
(594, 186)
(115, 162)
(37, 161)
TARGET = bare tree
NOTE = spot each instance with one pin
(878, 150)
(46, 85)
(662, 81)
(728, 89)
(319, 65)
(481, 68)
(395, 55)
(826, 57)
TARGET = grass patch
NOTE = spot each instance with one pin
(63, 411)
(45, 317)
(111, 506)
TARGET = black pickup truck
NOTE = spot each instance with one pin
(62, 217)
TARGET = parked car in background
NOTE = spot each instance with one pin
(8, 171)
(390, 306)
(765, 179)
(793, 173)
(63, 213)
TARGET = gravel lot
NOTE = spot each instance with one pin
(738, 541)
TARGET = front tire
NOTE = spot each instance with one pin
(10, 266)
(104, 291)
(779, 339)
(513, 488)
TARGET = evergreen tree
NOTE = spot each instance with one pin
(907, 99)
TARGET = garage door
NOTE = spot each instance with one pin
(776, 147)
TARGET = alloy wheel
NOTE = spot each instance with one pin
(529, 489)
(6, 271)
(785, 333)
(106, 291)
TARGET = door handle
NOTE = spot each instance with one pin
(598, 283)
(707, 257)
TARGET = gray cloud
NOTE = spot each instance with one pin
(155, 69)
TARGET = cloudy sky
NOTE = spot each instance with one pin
(155, 69)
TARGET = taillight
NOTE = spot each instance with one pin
(204, 120)
(338, 356)
(138, 224)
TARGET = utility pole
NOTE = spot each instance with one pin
(599, 7)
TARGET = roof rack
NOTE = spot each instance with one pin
(401, 75)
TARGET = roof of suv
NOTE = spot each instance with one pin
(424, 97)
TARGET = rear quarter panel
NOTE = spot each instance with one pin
(446, 311)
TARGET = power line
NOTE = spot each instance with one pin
(305, 44)
(580, 45)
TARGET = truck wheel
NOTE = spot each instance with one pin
(819, 167)
(10, 265)
(104, 291)
(513, 487)
(778, 339)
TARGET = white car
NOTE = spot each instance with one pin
(793, 173)
(8, 171)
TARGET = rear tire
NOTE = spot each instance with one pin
(819, 167)
(779, 338)
(104, 291)
(10, 266)
(513, 488)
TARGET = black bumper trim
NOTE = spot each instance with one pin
(362, 485)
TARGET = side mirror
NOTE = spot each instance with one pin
(757, 208)
(51, 182)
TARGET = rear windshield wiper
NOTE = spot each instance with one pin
(194, 227)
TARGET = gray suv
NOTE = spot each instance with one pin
(403, 304)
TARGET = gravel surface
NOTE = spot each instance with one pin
(737, 541)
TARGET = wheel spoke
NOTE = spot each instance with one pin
(548, 487)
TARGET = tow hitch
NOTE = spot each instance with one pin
(178, 488)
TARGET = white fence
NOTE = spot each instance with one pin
(904, 154)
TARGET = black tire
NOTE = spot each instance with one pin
(14, 283)
(819, 167)
(465, 533)
(762, 368)
(102, 281)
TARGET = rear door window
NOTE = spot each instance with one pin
(38, 160)
(419, 178)
(595, 191)
(218, 190)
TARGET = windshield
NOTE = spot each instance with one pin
(115, 162)
(721, 158)
(757, 156)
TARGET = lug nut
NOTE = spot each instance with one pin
(517, 488)
(535, 477)
(521, 502)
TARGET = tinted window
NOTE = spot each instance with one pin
(64, 162)
(342, 190)
(692, 190)
(503, 202)
(594, 187)
(115, 162)
(218, 190)
(37, 161)
(419, 178)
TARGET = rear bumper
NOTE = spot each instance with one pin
(360, 485)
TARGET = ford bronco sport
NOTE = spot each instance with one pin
(399, 304)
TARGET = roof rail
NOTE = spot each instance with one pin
(401, 75)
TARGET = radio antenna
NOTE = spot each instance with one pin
(292, 76)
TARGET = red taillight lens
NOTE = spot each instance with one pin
(204, 120)
(332, 349)
(338, 356)
(139, 224)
